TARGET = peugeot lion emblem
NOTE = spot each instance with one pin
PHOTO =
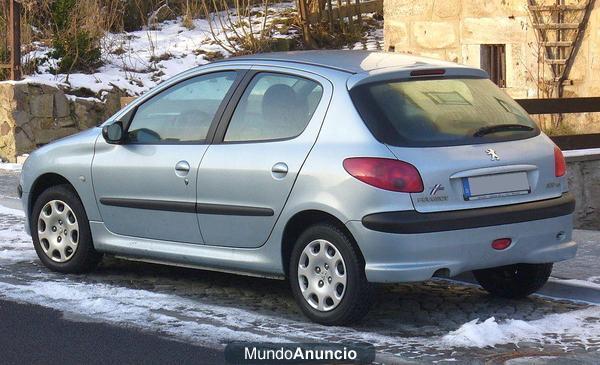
(493, 155)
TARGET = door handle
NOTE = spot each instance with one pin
(182, 168)
(279, 168)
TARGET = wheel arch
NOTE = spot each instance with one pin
(43, 183)
(299, 222)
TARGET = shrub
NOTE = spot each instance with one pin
(76, 34)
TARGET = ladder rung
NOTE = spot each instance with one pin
(557, 26)
(557, 44)
(557, 7)
(557, 62)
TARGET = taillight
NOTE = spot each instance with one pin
(560, 165)
(385, 173)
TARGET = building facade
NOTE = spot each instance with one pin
(508, 38)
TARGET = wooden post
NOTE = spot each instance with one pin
(14, 38)
(330, 15)
(359, 14)
(305, 20)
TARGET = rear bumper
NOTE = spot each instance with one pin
(415, 222)
(394, 257)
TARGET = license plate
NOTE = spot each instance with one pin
(494, 186)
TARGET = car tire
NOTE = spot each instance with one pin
(341, 292)
(514, 281)
(61, 236)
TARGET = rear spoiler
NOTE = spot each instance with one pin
(412, 73)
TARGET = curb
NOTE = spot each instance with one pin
(555, 288)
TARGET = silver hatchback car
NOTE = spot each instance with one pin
(334, 169)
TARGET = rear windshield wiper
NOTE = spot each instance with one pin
(501, 128)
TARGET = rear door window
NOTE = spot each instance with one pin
(441, 112)
(274, 107)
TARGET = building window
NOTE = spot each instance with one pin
(493, 60)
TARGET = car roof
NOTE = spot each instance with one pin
(349, 61)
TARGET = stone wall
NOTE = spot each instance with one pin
(35, 114)
(454, 30)
(584, 183)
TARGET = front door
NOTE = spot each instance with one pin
(246, 176)
(146, 187)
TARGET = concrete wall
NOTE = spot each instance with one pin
(584, 183)
(34, 114)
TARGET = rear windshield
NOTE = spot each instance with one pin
(441, 112)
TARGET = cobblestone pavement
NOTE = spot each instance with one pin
(409, 323)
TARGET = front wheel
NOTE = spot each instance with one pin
(61, 232)
(514, 281)
(328, 278)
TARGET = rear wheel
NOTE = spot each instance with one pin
(514, 281)
(328, 278)
(61, 232)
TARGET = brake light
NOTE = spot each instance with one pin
(560, 165)
(435, 72)
(385, 173)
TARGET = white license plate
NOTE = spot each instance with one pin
(494, 186)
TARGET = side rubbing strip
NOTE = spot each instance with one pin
(169, 206)
(233, 210)
(185, 207)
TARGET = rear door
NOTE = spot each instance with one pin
(246, 176)
(472, 144)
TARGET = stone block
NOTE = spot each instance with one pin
(497, 30)
(402, 9)
(447, 8)
(43, 136)
(65, 122)
(23, 143)
(492, 8)
(61, 105)
(42, 105)
(5, 128)
(396, 33)
(435, 35)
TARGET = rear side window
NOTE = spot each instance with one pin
(273, 107)
(441, 112)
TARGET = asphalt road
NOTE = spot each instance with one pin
(31, 334)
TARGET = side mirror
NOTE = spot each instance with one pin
(113, 133)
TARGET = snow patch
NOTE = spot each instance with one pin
(581, 325)
(7, 166)
(11, 211)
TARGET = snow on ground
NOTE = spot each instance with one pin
(10, 211)
(7, 166)
(137, 61)
(581, 325)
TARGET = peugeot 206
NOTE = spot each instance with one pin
(334, 169)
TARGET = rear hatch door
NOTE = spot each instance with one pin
(473, 145)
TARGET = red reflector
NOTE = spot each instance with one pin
(501, 244)
(428, 72)
(385, 173)
(560, 165)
